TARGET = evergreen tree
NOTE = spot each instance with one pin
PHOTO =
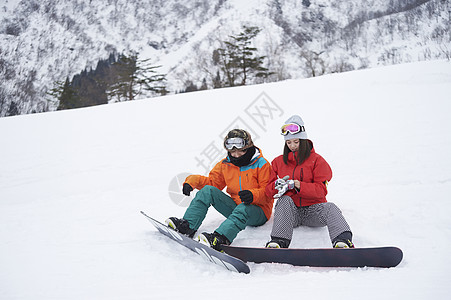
(217, 81)
(190, 87)
(67, 97)
(90, 89)
(239, 60)
(130, 77)
(13, 109)
(120, 79)
(204, 85)
(228, 64)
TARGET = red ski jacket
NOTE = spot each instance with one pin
(314, 174)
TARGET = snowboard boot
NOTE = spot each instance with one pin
(343, 240)
(213, 240)
(343, 244)
(278, 243)
(180, 225)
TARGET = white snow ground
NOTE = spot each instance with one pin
(72, 184)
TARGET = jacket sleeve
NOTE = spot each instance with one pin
(263, 178)
(322, 174)
(270, 187)
(215, 178)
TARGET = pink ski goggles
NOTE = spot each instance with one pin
(291, 128)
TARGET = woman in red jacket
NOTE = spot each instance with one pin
(299, 181)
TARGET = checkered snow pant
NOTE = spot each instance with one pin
(288, 216)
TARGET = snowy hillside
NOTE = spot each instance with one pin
(72, 184)
(44, 42)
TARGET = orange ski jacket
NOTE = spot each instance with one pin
(253, 177)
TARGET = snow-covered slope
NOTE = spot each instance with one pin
(72, 184)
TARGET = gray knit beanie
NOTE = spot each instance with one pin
(299, 135)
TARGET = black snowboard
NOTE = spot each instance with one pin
(229, 262)
(382, 257)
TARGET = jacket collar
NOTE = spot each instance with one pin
(254, 158)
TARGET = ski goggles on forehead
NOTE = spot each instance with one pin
(236, 142)
(291, 128)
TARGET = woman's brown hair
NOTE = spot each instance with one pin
(304, 150)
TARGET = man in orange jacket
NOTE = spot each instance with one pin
(245, 173)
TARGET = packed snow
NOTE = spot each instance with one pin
(72, 184)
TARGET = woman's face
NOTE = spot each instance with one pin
(293, 145)
(237, 153)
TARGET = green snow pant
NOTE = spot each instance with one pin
(238, 216)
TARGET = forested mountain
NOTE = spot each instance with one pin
(43, 42)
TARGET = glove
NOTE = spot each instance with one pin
(282, 189)
(246, 196)
(283, 185)
(187, 189)
(280, 182)
(290, 184)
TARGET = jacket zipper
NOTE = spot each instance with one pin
(294, 170)
(240, 180)
(301, 176)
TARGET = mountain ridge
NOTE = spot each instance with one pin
(48, 41)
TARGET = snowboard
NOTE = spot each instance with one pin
(382, 257)
(222, 259)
